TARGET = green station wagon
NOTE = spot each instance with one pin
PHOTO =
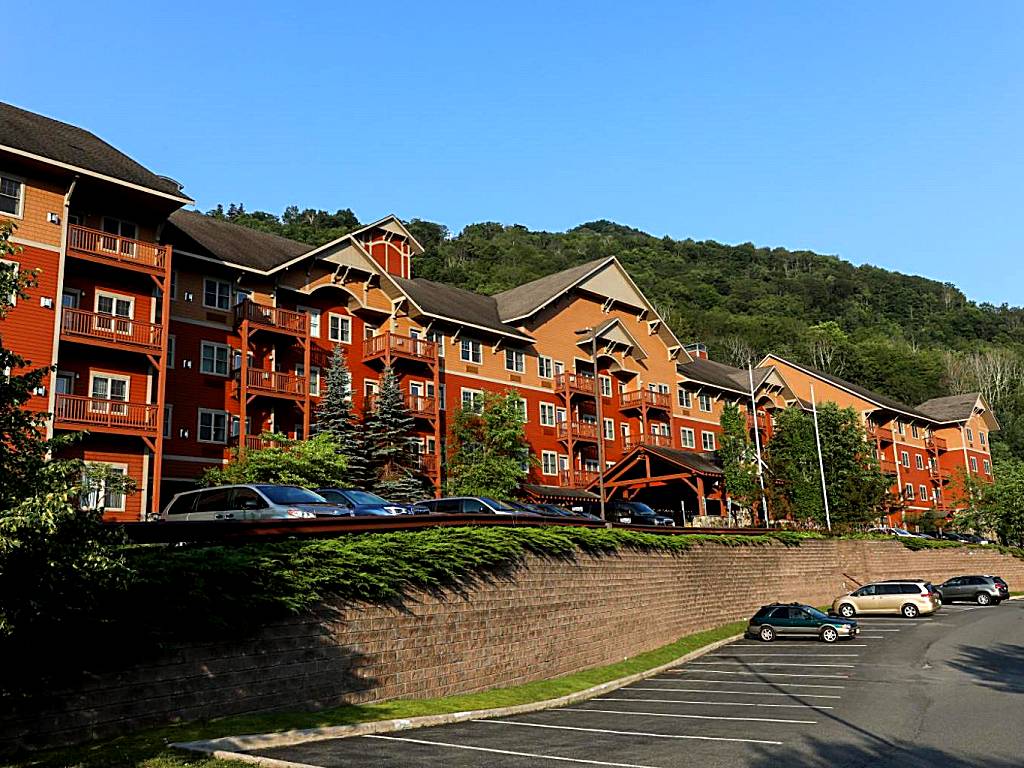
(798, 620)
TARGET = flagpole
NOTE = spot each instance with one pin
(821, 461)
(757, 443)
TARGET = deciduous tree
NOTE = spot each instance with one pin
(488, 454)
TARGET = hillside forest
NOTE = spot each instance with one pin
(909, 337)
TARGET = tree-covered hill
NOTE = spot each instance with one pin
(906, 336)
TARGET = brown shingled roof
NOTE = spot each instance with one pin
(235, 244)
(447, 301)
(524, 299)
(721, 375)
(70, 145)
(951, 408)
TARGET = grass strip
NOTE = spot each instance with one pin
(148, 749)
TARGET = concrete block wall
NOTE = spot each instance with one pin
(548, 618)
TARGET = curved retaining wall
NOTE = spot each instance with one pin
(548, 618)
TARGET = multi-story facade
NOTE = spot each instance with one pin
(177, 337)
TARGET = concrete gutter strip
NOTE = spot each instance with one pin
(226, 748)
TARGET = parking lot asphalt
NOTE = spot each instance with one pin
(946, 690)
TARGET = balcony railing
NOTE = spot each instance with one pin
(396, 345)
(426, 463)
(94, 327)
(876, 432)
(577, 430)
(888, 466)
(937, 473)
(575, 383)
(272, 318)
(78, 412)
(95, 244)
(576, 478)
(936, 443)
(646, 438)
(639, 398)
(417, 405)
(762, 421)
(260, 381)
(258, 442)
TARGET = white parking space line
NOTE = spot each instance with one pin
(534, 755)
(785, 655)
(736, 693)
(743, 682)
(706, 703)
(688, 717)
(784, 646)
(768, 664)
(629, 733)
(770, 674)
(875, 637)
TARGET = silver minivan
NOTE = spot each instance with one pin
(258, 501)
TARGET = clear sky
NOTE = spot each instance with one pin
(886, 133)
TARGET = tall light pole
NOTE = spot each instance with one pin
(600, 418)
(821, 460)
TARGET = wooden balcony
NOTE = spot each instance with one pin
(645, 438)
(876, 432)
(394, 345)
(271, 318)
(936, 443)
(644, 398)
(258, 442)
(109, 331)
(575, 384)
(939, 475)
(418, 406)
(97, 415)
(763, 421)
(427, 463)
(577, 430)
(275, 383)
(576, 478)
(888, 466)
(105, 248)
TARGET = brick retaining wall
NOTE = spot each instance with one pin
(549, 618)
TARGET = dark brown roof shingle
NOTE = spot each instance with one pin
(950, 408)
(442, 300)
(524, 299)
(235, 244)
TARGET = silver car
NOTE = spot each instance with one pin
(258, 501)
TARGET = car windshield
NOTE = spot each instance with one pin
(290, 494)
(641, 509)
(362, 497)
(815, 612)
(498, 505)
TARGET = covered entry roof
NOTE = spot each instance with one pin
(650, 466)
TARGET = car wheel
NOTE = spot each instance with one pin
(829, 634)
(846, 611)
(767, 634)
(983, 598)
(910, 610)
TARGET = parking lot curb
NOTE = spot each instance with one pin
(226, 748)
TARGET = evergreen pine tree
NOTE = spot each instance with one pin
(336, 417)
(388, 433)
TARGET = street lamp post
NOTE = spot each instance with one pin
(600, 418)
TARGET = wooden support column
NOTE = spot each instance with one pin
(437, 424)
(161, 385)
(306, 361)
(243, 385)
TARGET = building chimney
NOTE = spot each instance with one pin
(696, 350)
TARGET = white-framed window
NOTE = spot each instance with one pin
(605, 383)
(923, 491)
(560, 415)
(213, 358)
(12, 195)
(904, 458)
(111, 499)
(168, 417)
(559, 367)
(174, 285)
(172, 348)
(515, 360)
(69, 297)
(609, 429)
(216, 293)
(707, 440)
(339, 328)
(522, 408)
(314, 378)
(970, 435)
(314, 319)
(918, 461)
(981, 438)
(235, 422)
(687, 438)
(988, 466)
(545, 367)
(624, 428)
(902, 429)
(549, 462)
(908, 492)
(213, 426)
(121, 228)
(114, 307)
(13, 267)
(705, 402)
(438, 339)
(109, 386)
(472, 400)
(684, 397)
(974, 464)
(369, 331)
(547, 414)
(914, 431)
(470, 351)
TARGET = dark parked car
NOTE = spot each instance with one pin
(470, 505)
(798, 620)
(628, 513)
(983, 590)
(364, 504)
(574, 514)
(949, 536)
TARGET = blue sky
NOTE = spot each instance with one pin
(885, 133)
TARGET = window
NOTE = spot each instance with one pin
(560, 415)
(687, 438)
(549, 462)
(369, 331)
(923, 491)
(70, 297)
(168, 413)
(545, 367)
(213, 426)
(11, 266)
(213, 358)
(216, 294)
(904, 458)
(521, 408)
(918, 461)
(314, 320)
(705, 402)
(172, 348)
(438, 339)
(11, 195)
(99, 495)
(473, 400)
(915, 431)
(547, 415)
(339, 328)
(121, 228)
(707, 441)
(981, 438)
(685, 398)
(314, 381)
(470, 351)
(559, 367)
(625, 432)
(908, 492)
(174, 284)
(609, 429)
(988, 466)
(106, 386)
(970, 435)
(974, 464)
(901, 428)
(515, 361)
(606, 385)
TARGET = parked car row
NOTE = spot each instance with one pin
(909, 598)
(966, 538)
